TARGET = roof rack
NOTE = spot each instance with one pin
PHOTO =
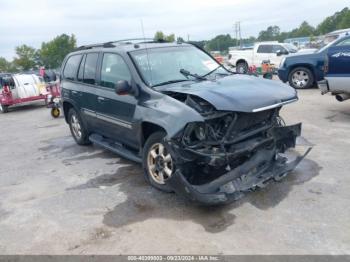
(112, 44)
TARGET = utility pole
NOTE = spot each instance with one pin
(238, 34)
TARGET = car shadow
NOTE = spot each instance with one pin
(25, 107)
(144, 202)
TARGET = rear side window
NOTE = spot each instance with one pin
(81, 69)
(71, 67)
(265, 49)
(113, 70)
(344, 42)
(90, 68)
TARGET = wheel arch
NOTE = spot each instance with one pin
(241, 60)
(149, 128)
(66, 105)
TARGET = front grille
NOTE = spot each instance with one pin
(248, 121)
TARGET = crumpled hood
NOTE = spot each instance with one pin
(241, 93)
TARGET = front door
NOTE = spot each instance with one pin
(115, 113)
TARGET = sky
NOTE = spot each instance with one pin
(32, 22)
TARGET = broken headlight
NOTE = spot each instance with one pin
(194, 132)
(199, 131)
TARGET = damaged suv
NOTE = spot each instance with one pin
(197, 128)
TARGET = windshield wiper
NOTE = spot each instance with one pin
(187, 74)
(170, 82)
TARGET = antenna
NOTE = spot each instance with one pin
(148, 63)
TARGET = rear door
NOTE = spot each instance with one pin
(115, 113)
(338, 74)
(87, 81)
(78, 83)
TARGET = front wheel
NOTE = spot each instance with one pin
(301, 78)
(157, 162)
(77, 128)
(4, 109)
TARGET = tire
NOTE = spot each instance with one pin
(160, 162)
(301, 78)
(77, 128)
(4, 109)
(242, 68)
(55, 112)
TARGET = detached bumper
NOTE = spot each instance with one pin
(323, 86)
(263, 165)
(225, 190)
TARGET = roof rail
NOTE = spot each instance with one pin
(84, 47)
(111, 44)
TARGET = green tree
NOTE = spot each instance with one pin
(304, 30)
(339, 20)
(26, 57)
(160, 36)
(270, 34)
(4, 65)
(53, 52)
(179, 39)
(345, 21)
(170, 38)
(221, 43)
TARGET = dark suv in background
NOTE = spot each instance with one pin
(305, 70)
(197, 129)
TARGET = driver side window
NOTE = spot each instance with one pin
(113, 70)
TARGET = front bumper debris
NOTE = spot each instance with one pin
(264, 165)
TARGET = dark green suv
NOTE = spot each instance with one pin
(197, 128)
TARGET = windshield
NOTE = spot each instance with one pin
(291, 48)
(325, 47)
(163, 65)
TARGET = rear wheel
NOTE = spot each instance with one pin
(77, 128)
(242, 68)
(157, 162)
(4, 109)
(301, 78)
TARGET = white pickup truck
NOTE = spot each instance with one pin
(272, 51)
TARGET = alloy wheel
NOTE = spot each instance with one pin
(300, 78)
(76, 127)
(159, 163)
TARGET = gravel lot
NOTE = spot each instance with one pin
(60, 198)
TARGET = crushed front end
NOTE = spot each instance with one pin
(231, 153)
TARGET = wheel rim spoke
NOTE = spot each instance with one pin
(167, 171)
(160, 149)
(161, 176)
(167, 158)
(153, 154)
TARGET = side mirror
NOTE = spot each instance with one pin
(123, 88)
(280, 52)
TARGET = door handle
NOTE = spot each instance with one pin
(76, 93)
(101, 99)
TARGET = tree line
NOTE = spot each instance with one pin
(339, 20)
(51, 54)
